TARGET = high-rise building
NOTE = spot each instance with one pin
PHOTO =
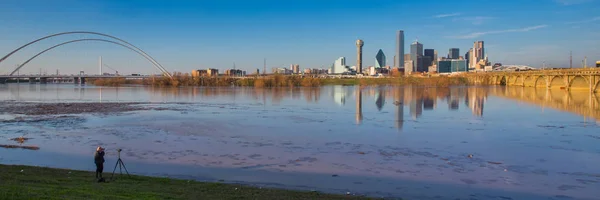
(295, 68)
(380, 59)
(339, 66)
(477, 54)
(427, 62)
(453, 53)
(468, 57)
(416, 55)
(359, 45)
(399, 59)
(428, 58)
(429, 52)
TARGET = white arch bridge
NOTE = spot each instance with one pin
(76, 78)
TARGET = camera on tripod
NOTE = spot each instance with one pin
(120, 164)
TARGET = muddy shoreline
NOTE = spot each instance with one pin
(37, 109)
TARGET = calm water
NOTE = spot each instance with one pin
(409, 142)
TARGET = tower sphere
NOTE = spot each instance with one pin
(359, 43)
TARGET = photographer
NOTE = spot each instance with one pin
(99, 160)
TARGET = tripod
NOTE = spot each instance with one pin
(120, 164)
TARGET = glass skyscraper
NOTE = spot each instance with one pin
(380, 59)
(399, 59)
(416, 55)
(454, 53)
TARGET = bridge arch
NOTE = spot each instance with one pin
(557, 82)
(158, 65)
(502, 80)
(529, 81)
(579, 82)
(518, 80)
(81, 40)
(540, 81)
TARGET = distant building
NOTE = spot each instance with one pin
(468, 58)
(453, 53)
(295, 68)
(429, 52)
(399, 59)
(281, 70)
(359, 45)
(451, 66)
(379, 59)
(408, 67)
(476, 54)
(433, 68)
(257, 71)
(597, 63)
(339, 66)
(427, 62)
(235, 72)
(372, 71)
(199, 72)
(212, 72)
(416, 55)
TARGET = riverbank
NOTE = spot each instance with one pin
(29, 182)
(284, 81)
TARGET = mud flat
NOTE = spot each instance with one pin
(29, 108)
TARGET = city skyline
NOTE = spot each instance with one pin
(165, 31)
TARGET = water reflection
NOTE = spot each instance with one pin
(418, 100)
(359, 115)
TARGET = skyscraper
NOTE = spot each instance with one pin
(453, 53)
(416, 55)
(380, 59)
(359, 45)
(339, 66)
(399, 59)
(477, 54)
(429, 52)
(428, 59)
(295, 68)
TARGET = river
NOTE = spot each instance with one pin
(380, 141)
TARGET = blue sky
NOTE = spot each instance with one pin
(186, 35)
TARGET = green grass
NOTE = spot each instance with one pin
(49, 183)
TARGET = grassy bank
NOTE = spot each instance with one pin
(283, 81)
(27, 182)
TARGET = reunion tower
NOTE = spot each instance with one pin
(359, 45)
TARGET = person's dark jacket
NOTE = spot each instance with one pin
(99, 157)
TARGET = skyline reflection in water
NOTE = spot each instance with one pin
(522, 140)
(366, 101)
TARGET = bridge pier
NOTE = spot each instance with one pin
(32, 81)
(3, 80)
(79, 80)
(43, 80)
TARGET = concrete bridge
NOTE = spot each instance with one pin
(587, 79)
(77, 79)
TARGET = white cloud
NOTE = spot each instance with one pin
(478, 34)
(585, 21)
(572, 2)
(477, 20)
(447, 15)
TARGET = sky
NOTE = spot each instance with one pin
(186, 35)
